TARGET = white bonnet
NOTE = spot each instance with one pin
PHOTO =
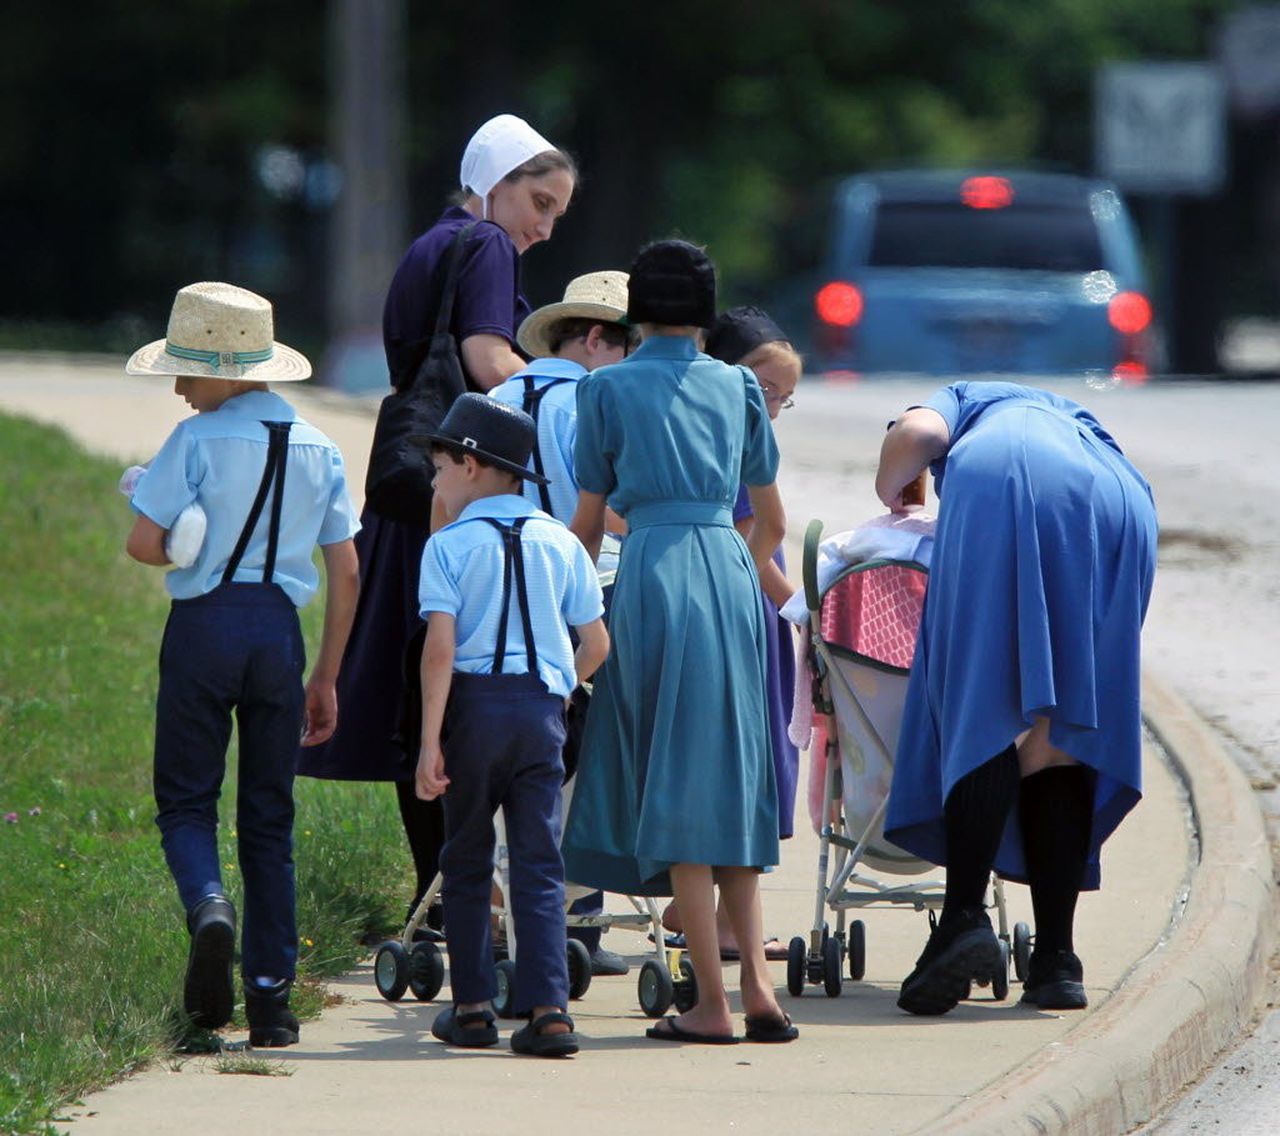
(501, 145)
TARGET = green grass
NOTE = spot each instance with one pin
(92, 940)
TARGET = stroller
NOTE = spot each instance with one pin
(415, 963)
(863, 598)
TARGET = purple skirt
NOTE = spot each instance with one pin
(372, 681)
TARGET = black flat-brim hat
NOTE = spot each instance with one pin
(490, 430)
(672, 283)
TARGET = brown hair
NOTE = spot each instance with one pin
(546, 162)
(564, 330)
(458, 455)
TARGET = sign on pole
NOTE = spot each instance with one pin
(1160, 127)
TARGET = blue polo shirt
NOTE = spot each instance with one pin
(217, 459)
(557, 428)
(462, 576)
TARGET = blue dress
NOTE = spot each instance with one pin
(676, 764)
(1042, 569)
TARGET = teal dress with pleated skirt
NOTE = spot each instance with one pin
(676, 763)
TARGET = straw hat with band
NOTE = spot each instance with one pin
(219, 331)
(485, 428)
(599, 296)
(501, 145)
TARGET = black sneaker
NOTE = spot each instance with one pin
(962, 950)
(1055, 981)
(610, 963)
(207, 991)
(272, 1024)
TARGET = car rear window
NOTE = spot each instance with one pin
(1052, 238)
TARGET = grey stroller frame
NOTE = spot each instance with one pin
(844, 847)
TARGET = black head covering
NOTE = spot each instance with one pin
(672, 283)
(739, 331)
(500, 434)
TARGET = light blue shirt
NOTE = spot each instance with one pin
(217, 459)
(557, 429)
(462, 576)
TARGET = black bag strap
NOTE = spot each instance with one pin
(449, 290)
(513, 564)
(533, 397)
(273, 472)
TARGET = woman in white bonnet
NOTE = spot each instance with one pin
(516, 185)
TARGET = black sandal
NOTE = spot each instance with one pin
(531, 1041)
(458, 1029)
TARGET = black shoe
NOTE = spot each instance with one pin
(1055, 981)
(960, 951)
(476, 1029)
(605, 962)
(272, 1024)
(207, 992)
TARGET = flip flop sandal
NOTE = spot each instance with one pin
(767, 1028)
(458, 1029)
(674, 1032)
(532, 1042)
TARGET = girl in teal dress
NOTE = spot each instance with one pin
(675, 786)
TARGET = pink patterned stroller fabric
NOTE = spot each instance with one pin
(869, 617)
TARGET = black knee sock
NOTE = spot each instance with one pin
(424, 826)
(975, 814)
(1056, 809)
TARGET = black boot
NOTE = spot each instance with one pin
(271, 1022)
(208, 992)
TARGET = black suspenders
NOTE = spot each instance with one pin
(277, 462)
(532, 401)
(513, 561)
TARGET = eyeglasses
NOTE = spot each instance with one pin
(772, 394)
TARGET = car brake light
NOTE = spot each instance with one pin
(839, 304)
(1129, 312)
(1131, 371)
(986, 192)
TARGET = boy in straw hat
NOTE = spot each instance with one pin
(272, 487)
(500, 587)
(568, 340)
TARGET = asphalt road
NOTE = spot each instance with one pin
(1209, 450)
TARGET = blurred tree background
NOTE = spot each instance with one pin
(146, 145)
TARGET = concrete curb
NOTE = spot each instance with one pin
(1186, 1000)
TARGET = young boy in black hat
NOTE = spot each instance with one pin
(494, 684)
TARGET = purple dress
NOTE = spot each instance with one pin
(779, 689)
(372, 681)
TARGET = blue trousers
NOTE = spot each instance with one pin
(502, 739)
(237, 650)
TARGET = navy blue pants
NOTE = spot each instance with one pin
(502, 739)
(237, 650)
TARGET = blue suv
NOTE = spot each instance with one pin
(962, 272)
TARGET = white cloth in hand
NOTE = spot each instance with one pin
(182, 542)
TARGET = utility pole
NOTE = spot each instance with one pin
(369, 219)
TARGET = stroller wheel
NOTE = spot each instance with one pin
(1000, 979)
(656, 989)
(832, 960)
(686, 987)
(579, 968)
(391, 971)
(857, 949)
(426, 970)
(504, 1002)
(1021, 951)
(797, 958)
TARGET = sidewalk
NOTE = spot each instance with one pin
(1163, 997)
